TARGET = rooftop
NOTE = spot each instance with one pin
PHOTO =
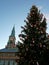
(9, 50)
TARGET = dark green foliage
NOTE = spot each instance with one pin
(34, 39)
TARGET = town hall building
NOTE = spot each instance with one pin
(8, 54)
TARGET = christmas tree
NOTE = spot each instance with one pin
(33, 49)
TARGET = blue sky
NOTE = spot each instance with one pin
(14, 12)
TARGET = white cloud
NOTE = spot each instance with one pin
(40, 7)
(47, 17)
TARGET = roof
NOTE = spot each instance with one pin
(9, 50)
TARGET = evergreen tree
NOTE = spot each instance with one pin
(8, 62)
(33, 49)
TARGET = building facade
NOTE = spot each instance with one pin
(8, 54)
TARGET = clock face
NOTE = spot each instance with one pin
(11, 38)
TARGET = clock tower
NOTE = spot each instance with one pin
(11, 41)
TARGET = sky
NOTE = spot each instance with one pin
(14, 12)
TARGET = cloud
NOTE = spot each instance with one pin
(47, 20)
(47, 17)
(40, 7)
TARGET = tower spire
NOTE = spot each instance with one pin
(13, 32)
(11, 41)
